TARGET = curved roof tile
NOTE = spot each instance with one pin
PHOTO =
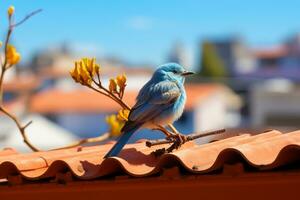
(264, 151)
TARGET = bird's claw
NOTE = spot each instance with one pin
(177, 137)
(178, 140)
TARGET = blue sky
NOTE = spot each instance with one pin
(144, 31)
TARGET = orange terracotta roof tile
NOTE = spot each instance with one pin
(57, 101)
(275, 52)
(264, 151)
(21, 84)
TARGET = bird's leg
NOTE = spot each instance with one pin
(164, 131)
(169, 135)
(181, 137)
(173, 128)
(175, 136)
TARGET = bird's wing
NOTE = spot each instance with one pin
(159, 97)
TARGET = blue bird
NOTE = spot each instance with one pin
(160, 102)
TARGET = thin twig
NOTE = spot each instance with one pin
(190, 137)
(20, 127)
(109, 94)
(4, 67)
(113, 96)
(27, 17)
(98, 91)
(106, 93)
(26, 125)
(1, 85)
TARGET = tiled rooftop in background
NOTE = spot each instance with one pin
(58, 101)
(21, 84)
(275, 52)
(262, 152)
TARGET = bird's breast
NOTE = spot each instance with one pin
(173, 112)
(179, 106)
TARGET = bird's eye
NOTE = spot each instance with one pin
(175, 71)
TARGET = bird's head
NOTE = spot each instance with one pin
(172, 71)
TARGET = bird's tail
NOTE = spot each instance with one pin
(115, 150)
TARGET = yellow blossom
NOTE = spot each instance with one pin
(112, 85)
(85, 76)
(121, 81)
(123, 115)
(10, 10)
(0, 44)
(75, 73)
(84, 71)
(91, 65)
(115, 125)
(12, 56)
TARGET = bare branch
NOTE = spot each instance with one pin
(26, 125)
(4, 67)
(26, 18)
(20, 127)
(190, 137)
(116, 99)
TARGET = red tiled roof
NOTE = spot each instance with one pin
(264, 151)
(275, 52)
(21, 84)
(57, 101)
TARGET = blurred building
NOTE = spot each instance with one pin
(58, 58)
(275, 103)
(52, 66)
(240, 67)
(280, 61)
(239, 60)
(235, 57)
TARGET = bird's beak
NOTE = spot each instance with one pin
(187, 73)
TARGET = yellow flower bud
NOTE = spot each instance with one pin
(84, 74)
(123, 115)
(0, 44)
(112, 85)
(12, 56)
(121, 81)
(75, 73)
(84, 71)
(10, 10)
(115, 125)
(91, 65)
